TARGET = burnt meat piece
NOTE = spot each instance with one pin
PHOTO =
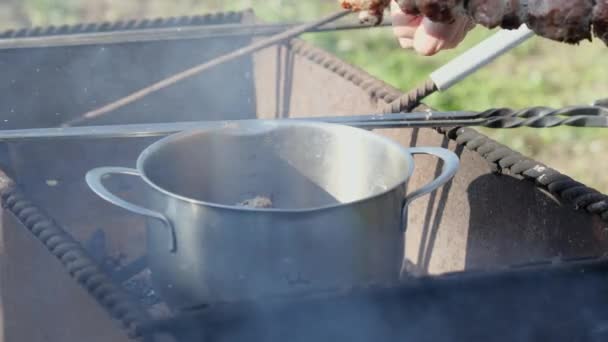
(371, 11)
(561, 20)
(439, 10)
(600, 20)
(488, 13)
(257, 202)
(361, 5)
(513, 16)
(408, 6)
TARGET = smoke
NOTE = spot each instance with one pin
(565, 303)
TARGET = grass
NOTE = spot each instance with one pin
(539, 72)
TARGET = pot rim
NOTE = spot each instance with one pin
(149, 151)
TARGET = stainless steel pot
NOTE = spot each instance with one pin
(337, 217)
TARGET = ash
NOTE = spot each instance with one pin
(140, 287)
(257, 202)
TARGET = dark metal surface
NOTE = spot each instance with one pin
(48, 86)
(561, 302)
(251, 48)
(377, 90)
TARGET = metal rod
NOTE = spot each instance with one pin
(256, 46)
(172, 33)
(535, 117)
(156, 129)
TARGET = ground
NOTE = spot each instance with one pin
(539, 72)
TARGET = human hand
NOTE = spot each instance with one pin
(426, 37)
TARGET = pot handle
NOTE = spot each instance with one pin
(451, 163)
(93, 179)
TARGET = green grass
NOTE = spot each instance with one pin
(539, 72)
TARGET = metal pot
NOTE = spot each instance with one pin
(337, 217)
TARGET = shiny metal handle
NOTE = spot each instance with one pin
(451, 164)
(479, 56)
(94, 180)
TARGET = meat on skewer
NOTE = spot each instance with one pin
(600, 20)
(569, 21)
(370, 11)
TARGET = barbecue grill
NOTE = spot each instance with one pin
(74, 266)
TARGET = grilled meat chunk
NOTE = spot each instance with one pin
(371, 11)
(488, 13)
(408, 6)
(600, 20)
(569, 21)
(561, 20)
(439, 10)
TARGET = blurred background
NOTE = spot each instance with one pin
(539, 72)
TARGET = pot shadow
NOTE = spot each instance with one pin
(431, 229)
(510, 221)
(433, 216)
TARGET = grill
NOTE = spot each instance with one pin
(74, 266)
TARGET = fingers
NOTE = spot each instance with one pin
(404, 25)
(406, 43)
(432, 37)
(425, 36)
(462, 26)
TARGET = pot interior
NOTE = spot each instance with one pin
(288, 165)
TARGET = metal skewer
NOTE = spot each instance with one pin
(535, 117)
